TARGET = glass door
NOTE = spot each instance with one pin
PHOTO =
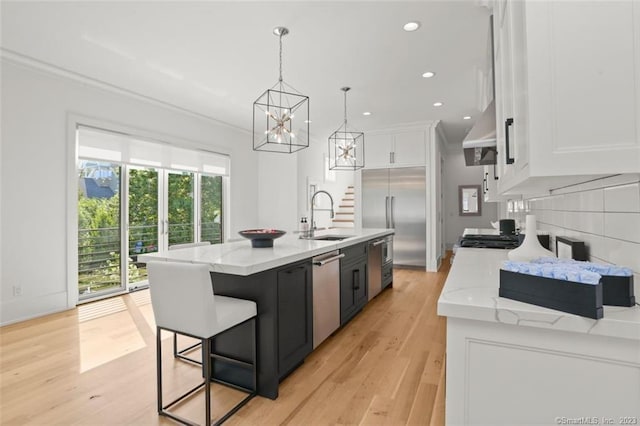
(133, 210)
(180, 208)
(143, 197)
(211, 209)
(99, 228)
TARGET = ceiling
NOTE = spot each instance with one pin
(215, 58)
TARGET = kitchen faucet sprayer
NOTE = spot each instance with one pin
(312, 225)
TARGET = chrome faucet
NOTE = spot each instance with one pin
(312, 225)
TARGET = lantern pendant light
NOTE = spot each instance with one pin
(346, 146)
(281, 115)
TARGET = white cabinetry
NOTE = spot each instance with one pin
(490, 185)
(391, 148)
(501, 374)
(567, 91)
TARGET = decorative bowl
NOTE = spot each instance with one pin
(262, 237)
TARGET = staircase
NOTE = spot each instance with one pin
(344, 216)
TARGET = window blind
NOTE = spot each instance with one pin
(103, 145)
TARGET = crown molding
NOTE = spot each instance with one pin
(36, 64)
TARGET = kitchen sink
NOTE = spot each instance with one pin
(332, 237)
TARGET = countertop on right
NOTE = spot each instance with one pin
(471, 292)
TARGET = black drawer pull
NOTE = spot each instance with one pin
(507, 123)
(356, 279)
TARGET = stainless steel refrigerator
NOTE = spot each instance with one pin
(396, 198)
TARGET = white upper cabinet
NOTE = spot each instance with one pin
(377, 149)
(567, 91)
(490, 185)
(396, 148)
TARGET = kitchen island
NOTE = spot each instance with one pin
(513, 363)
(279, 280)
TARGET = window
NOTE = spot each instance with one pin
(137, 197)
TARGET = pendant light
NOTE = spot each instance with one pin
(281, 115)
(346, 146)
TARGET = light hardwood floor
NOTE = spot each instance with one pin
(95, 365)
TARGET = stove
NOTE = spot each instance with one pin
(507, 242)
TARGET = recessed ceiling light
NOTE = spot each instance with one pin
(429, 74)
(307, 121)
(366, 113)
(411, 26)
(466, 117)
(438, 104)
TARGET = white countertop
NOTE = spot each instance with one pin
(471, 292)
(239, 258)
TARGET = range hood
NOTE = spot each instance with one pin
(479, 145)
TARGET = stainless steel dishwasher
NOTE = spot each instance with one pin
(374, 267)
(326, 295)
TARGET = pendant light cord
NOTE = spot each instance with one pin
(345, 110)
(280, 79)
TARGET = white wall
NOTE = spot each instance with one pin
(604, 213)
(457, 173)
(438, 219)
(277, 191)
(36, 106)
(311, 168)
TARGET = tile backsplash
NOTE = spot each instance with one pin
(604, 213)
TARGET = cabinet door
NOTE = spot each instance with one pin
(353, 289)
(409, 148)
(499, 101)
(295, 316)
(506, 91)
(377, 150)
(490, 184)
(485, 183)
(347, 295)
(512, 124)
(568, 79)
(519, 132)
(360, 288)
(585, 97)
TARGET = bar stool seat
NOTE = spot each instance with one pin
(180, 353)
(183, 302)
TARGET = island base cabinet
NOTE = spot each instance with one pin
(502, 374)
(284, 325)
(353, 289)
(295, 317)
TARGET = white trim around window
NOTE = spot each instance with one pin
(173, 152)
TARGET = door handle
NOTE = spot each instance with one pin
(356, 279)
(485, 184)
(393, 211)
(386, 212)
(329, 260)
(507, 123)
(377, 243)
